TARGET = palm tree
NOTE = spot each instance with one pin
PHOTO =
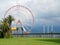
(6, 26)
(10, 19)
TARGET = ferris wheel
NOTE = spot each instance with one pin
(23, 17)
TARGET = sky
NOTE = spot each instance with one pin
(46, 12)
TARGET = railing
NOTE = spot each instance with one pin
(42, 35)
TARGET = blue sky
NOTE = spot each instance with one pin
(46, 12)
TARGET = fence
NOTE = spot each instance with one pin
(41, 35)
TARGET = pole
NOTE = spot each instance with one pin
(51, 28)
(48, 29)
(43, 28)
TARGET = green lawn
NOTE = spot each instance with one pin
(29, 41)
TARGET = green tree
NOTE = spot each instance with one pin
(6, 25)
(10, 19)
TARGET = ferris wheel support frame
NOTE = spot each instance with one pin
(22, 7)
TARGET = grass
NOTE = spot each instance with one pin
(30, 41)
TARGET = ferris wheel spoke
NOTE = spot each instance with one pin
(29, 25)
(27, 29)
(23, 14)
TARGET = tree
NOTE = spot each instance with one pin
(10, 19)
(6, 25)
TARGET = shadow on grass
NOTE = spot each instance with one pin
(49, 40)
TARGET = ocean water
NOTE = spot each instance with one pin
(40, 29)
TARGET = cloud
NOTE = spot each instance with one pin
(6, 4)
(45, 6)
(19, 1)
(46, 11)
